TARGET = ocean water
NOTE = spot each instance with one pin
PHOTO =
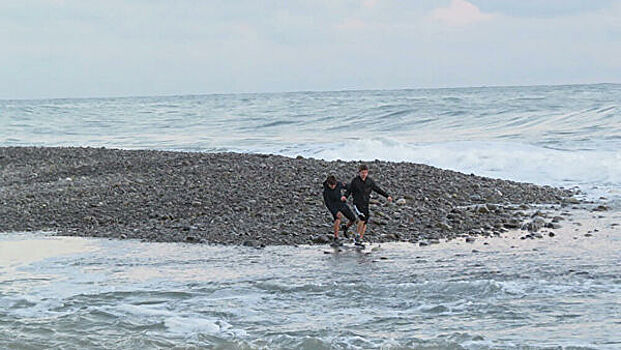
(536, 134)
(555, 293)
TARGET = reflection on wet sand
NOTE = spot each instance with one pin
(16, 250)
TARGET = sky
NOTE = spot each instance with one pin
(90, 48)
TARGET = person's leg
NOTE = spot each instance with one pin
(337, 224)
(364, 229)
(360, 226)
(350, 217)
(361, 219)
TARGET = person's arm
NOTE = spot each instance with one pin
(325, 194)
(377, 189)
(348, 189)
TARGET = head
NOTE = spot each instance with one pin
(331, 181)
(363, 171)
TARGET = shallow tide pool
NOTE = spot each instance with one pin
(75, 293)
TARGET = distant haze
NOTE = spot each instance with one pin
(83, 48)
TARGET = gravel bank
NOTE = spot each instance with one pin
(230, 198)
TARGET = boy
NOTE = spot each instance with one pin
(332, 198)
(360, 188)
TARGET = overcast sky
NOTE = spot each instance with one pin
(79, 48)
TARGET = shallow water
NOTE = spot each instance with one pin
(71, 293)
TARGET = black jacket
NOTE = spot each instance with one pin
(332, 197)
(361, 190)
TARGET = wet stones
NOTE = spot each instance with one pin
(601, 208)
(553, 225)
(512, 223)
(535, 225)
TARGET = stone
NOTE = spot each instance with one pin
(250, 243)
(535, 225)
(553, 225)
(512, 223)
(444, 226)
(400, 201)
(571, 200)
(476, 198)
(482, 209)
(321, 239)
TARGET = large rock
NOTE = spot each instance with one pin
(535, 225)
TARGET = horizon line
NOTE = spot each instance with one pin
(301, 91)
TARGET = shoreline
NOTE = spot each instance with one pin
(252, 199)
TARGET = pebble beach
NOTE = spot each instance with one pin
(252, 199)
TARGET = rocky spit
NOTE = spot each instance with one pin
(249, 199)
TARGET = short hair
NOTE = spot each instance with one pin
(362, 167)
(331, 180)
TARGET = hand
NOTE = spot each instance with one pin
(343, 199)
(389, 198)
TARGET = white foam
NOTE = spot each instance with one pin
(180, 324)
(191, 326)
(186, 325)
(596, 172)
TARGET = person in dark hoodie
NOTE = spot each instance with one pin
(360, 188)
(332, 197)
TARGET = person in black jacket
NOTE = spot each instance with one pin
(332, 198)
(360, 188)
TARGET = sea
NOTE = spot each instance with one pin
(504, 293)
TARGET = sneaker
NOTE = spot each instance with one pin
(357, 240)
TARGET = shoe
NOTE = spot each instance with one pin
(345, 228)
(336, 242)
(357, 240)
